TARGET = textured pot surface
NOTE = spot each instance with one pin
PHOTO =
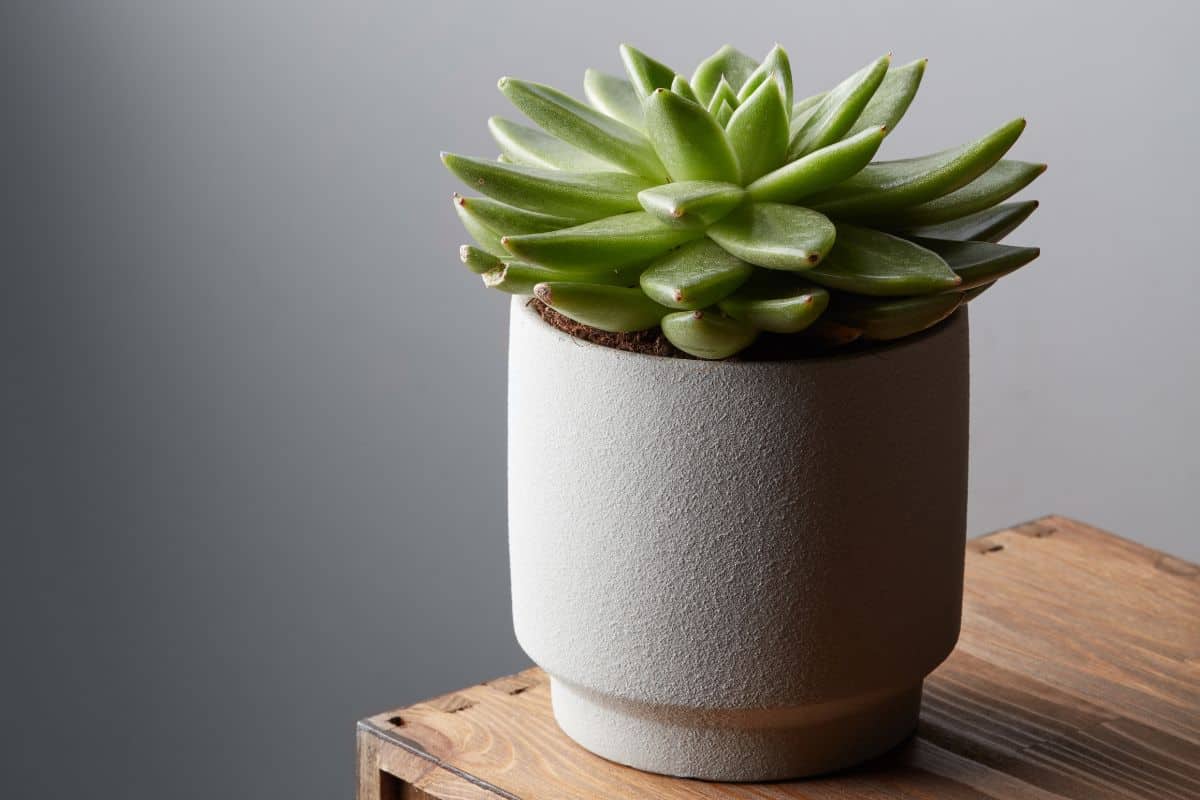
(736, 571)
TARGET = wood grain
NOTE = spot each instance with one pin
(1077, 675)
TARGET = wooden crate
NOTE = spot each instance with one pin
(1077, 675)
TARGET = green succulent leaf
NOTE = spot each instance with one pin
(708, 335)
(728, 64)
(775, 65)
(885, 187)
(971, 294)
(819, 170)
(614, 96)
(586, 128)
(478, 261)
(724, 94)
(531, 147)
(989, 225)
(777, 303)
(485, 237)
(999, 183)
(836, 113)
(758, 131)
(614, 241)
(893, 318)
(645, 73)
(505, 219)
(581, 195)
(691, 144)
(691, 204)
(694, 276)
(978, 263)
(775, 236)
(802, 110)
(519, 277)
(724, 114)
(610, 308)
(807, 104)
(870, 262)
(681, 87)
(892, 98)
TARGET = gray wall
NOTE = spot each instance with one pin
(253, 424)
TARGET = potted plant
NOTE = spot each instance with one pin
(737, 405)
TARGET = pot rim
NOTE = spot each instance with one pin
(521, 304)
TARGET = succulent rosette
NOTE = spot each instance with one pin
(720, 207)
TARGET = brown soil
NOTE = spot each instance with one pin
(822, 340)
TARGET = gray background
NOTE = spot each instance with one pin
(253, 433)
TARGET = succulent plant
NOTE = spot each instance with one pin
(719, 207)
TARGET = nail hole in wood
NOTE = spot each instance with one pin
(993, 548)
(397, 720)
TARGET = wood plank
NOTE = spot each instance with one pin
(1077, 676)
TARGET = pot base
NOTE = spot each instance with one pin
(736, 745)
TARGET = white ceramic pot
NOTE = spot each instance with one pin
(736, 571)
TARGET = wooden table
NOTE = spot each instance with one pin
(1077, 676)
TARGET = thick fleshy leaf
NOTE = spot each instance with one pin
(584, 127)
(681, 87)
(817, 171)
(478, 261)
(893, 318)
(505, 219)
(869, 262)
(777, 303)
(978, 263)
(706, 334)
(892, 98)
(645, 73)
(885, 187)
(610, 308)
(723, 94)
(614, 241)
(582, 195)
(692, 204)
(808, 103)
(723, 114)
(971, 294)
(775, 236)
(837, 112)
(999, 183)
(728, 63)
(694, 276)
(485, 237)
(989, 225)
(522, 145)
(758, 131)
(614, 96)
(690, 143)
(802, 110)
(775, 65)
(519, 277)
